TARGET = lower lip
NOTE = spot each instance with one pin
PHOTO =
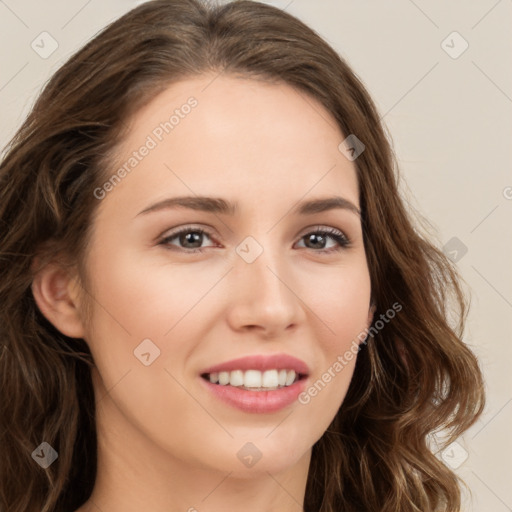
(257, 401)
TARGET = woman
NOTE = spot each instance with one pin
(253, 367)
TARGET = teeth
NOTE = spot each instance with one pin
(254, 379)
(270, 379)
(236, 378)
(223, 378)
(290, 377)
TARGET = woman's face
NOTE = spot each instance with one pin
(164, 314)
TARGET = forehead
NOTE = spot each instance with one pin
(242, 136)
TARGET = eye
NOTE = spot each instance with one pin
(191, 239)
(188, 236)
(320, 236)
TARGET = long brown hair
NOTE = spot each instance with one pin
(412, 378)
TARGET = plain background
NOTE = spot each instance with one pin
(448, 113)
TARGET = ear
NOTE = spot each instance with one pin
(55, 292)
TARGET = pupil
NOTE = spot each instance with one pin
(189, 237)
(315, 236)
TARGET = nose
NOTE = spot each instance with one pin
(265, 299)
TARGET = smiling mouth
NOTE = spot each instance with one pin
(255, 380)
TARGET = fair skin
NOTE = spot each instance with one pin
(164, 442)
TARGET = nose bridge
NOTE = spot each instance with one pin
(264, 294)
(260, 261)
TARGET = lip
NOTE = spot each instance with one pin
(261, 362)
(256, 401)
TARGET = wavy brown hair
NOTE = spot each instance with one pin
(412, 378)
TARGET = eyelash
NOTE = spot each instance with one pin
(332, 233)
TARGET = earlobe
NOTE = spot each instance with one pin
(53, 289)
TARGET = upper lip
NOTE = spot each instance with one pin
(261, 363)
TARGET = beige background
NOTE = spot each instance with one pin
(450, 120)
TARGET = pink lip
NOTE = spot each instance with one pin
(256, 401)
(261, 363)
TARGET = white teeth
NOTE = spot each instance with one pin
(290, 377)
(223, 378)
(254, 379)
(236, 378)
(270, 379)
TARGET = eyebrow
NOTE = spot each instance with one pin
(221, 206)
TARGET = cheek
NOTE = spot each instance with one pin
(134, 301)
(140, 299)
(341, 300)
(341, 304)
(345, 309)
